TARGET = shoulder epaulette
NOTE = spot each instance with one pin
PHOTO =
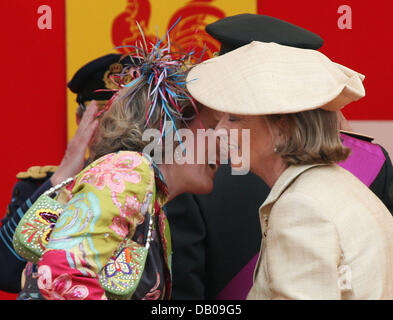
(36, 172)
(358, 135)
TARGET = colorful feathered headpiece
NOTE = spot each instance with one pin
(165, 73)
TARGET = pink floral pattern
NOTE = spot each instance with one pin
(129, 213)
(113, 170)
(62, 276)
(124, 186)
(61, 288)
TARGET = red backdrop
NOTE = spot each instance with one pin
(366, 48)
(33, 82)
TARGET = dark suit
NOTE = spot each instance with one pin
(214, 235)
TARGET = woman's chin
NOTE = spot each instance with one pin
(200, 180)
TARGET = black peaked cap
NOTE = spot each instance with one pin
(89, 78)
(236, 31)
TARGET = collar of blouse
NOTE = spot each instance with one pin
(287, 177)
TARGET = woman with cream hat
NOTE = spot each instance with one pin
(325, 234)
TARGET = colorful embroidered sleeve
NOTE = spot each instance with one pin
(110, 198)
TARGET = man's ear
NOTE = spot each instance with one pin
(343, 122)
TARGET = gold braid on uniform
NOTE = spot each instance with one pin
(36, 172)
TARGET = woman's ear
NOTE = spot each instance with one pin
(282, 126)
(281, 132)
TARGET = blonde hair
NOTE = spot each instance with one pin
(122, 126)
(308, 137)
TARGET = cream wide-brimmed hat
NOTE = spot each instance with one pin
(268, 78)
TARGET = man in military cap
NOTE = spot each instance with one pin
(36, 180)
(216, 237)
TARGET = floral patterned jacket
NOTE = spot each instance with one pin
(108, 201)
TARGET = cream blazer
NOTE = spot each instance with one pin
(325, 236)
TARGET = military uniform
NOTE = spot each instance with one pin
(371, 163)
(216, 237)
(32, 183)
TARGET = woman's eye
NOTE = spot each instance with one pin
(233, 119)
